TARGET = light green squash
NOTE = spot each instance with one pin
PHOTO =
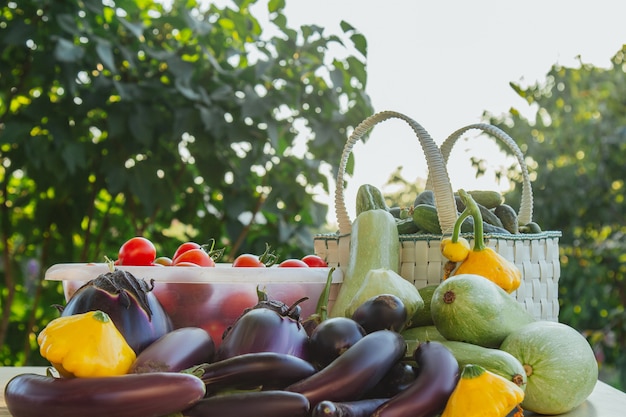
(560, 365)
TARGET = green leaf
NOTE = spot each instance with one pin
(66, 51)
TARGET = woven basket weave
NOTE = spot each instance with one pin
(421, 262)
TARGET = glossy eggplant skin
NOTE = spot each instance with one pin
(270, 370)
(356, 371)
(331, 338)
(177, 350)
(128, 301)
(438, 374)
(358, 408)
(264, 330)
(132, 395)
(251, 404)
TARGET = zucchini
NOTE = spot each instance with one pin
(423, 317)
(495, 360)
(368, 197)
(508, 217)
(489, 216)
(374, 244)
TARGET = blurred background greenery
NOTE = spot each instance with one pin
(188, 123)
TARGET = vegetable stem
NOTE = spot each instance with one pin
(472, 208)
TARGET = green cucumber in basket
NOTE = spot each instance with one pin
(425, 217)
(374, 244)
(368, 197)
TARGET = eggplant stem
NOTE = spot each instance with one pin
(295, 305)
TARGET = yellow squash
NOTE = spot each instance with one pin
(483, 260)
(481, 393)
(85, 345)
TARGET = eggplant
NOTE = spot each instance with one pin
(130, 303)
(177, 350)
(399, 378)
(437, 376)
(251, 404)
(270, 370)
(264, 330)
(383, 311)
(131, 395)
(358, 408)
(354, 372)
(331, 338)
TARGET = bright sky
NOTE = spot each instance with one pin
(444, 63)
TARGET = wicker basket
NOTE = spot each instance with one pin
(421, 262)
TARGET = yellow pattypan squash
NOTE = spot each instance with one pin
(85, 345)
(481, 393)
(483, 260)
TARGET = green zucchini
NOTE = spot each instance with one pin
(423, 317)
(368, 197)
(374, 244)
(494, 360)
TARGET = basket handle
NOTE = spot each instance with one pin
(442, 190)
(525, 213)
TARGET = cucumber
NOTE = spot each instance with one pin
(368, 197)
(489, 216)
(495, 360)
(425, 217)
(508, 217)
(406, 226)
(470, 308)
(487, 198)
(374, 244)
(423, 317)
(530, 228)
(425, 197)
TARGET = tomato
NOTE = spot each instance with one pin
(137, 251)
(247, 260)
(314, 261)
(197, 257)
(162, 261)
(293, 263)
(184, 247)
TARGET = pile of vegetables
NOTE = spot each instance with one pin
(383, 348)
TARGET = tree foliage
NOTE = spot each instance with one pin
(124, 118)
(576, 146)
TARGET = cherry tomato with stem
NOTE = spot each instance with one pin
(194, 256)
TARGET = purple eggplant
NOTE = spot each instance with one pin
(132, 395)
(129, 302)
(331, 338)
(270, 370)
(437, 376)
(177, 350)
(354, 372)
(383, 311)
(399, 378)
(251, 404)
(263, 329)
(358, 408)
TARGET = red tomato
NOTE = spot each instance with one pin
(314, 261)
(248, 260)
(137, 251)
(197, 257)
(184, 247)
(293, 263)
